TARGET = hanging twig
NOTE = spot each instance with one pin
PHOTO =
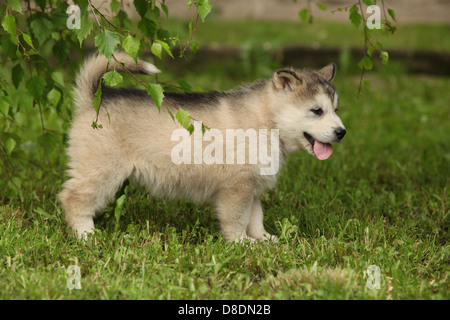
(192, 35)
(366, 41)
(44, 143)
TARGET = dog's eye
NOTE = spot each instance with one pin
(317, 111)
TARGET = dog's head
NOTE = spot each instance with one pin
(306, 105)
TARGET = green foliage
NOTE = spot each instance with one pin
(322, 6)
(354, 16)
(157, 49)
(9, 24)
(17, 74)
(131, 46)
(112, 78)
(194, 47)
(10, 144)
(157, 93)
(15, 5)
(118, 210)
(36, 86)
(165, 46)
(384, 56)
(41, 53)
(392, 14)
(365, 63)
(357, 15)
(86, 27)
(107, 42)
(42, 27)
(370, 2)
(184, 119)
(96, 102)
(303, 14)
(54, 96)
(203, 8)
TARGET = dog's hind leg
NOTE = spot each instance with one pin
(86, 194)
(255, 228)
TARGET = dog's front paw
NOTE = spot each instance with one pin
(268, 237)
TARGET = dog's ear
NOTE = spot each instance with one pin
(285, 79)
(328, 72)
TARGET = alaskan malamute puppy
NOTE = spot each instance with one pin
(269, 119)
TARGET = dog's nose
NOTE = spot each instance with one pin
(340, 133)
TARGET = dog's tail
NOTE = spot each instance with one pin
(96, 66)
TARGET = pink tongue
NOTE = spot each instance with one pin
(322, 150)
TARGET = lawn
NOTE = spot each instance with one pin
(320, 33)
(381, 199)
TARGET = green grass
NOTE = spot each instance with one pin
(320, 33)
(381, 199)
